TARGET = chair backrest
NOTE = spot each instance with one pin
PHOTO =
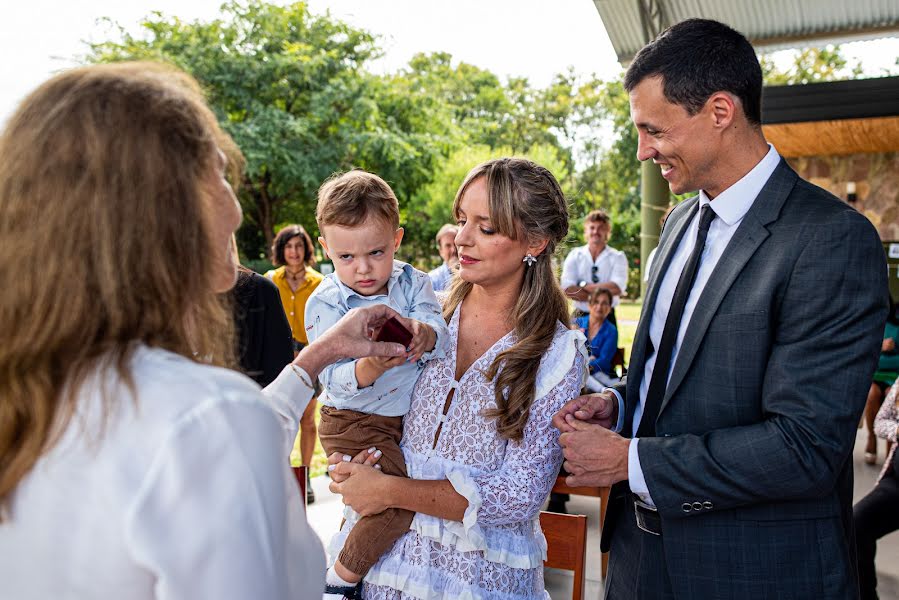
(618, 361)
(300, 474)
(597, 492)
(566, 546)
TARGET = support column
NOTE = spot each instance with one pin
(654, 195)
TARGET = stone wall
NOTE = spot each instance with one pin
(876, 178)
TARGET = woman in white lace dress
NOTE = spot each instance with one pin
(482, 462)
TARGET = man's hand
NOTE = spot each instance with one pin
(598, 409)
(350, 337)
(889, 345)
(594, 456)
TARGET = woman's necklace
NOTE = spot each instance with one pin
(294, 279)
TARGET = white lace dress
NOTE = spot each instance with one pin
(497, 551)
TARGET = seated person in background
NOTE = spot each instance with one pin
(594, 266)
(602, 340)
(877, 514)
(365, 400)
(446, 246)
(885, 376)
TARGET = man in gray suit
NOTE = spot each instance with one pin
(760, 331)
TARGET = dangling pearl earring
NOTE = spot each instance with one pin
(530, 259)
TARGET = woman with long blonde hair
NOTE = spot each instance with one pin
(478, 440)
(131, 465)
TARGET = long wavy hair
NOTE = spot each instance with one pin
(524, 200)
(106, 243)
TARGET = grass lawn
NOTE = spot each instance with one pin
(627, 314)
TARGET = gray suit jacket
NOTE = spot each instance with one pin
(759, 418)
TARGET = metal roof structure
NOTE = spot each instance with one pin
(769, 24)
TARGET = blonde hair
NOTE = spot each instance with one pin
(107, 241)
(349, 199)
(524, 200)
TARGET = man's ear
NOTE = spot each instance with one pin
(722, 108)
(324, 244)
(398, 238)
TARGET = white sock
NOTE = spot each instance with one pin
(332, 578)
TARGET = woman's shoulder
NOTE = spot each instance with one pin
(560, 358)
(170, 386)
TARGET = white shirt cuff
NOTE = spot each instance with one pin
(635, 474)
(620, 424)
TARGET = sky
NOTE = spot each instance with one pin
(530, 38)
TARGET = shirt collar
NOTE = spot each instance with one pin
(585, 249)
(732, 204)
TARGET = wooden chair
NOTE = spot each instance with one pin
(618, 363)
(300, 474)
(597, 492)
(566, 546)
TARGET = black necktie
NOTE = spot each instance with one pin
(659, 380)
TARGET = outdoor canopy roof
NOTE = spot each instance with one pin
(769, 24)
(800, 120)
(838, 117)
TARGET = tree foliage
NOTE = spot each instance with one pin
(294, 91)
(291, 89)
(810, 65)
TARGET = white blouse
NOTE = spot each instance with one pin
(497, 551)
(182, 493)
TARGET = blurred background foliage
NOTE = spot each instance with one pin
(294, 91)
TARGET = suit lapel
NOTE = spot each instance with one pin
(667, 247)
(746, 240)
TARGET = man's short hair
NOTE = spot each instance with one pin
(349, 199)
(446, 230)
(598, 216)
(696, 58)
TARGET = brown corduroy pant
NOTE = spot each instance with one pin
(350, 432)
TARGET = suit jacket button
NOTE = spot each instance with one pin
(686, 507)
(707, 505)
(697, 506)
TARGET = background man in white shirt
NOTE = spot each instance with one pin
(596, 265)
(732, 473)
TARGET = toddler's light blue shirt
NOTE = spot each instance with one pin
(409, 293)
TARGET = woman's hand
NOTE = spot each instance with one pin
(368, 457)
(364, 488)
(350, 337)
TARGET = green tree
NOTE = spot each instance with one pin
(291, 89)
(433, 207)
(810, 65)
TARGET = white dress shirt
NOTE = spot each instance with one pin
(611, 265)
(181, 493)
(730, 207)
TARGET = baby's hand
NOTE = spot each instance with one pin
(423, 339)
(387, 362)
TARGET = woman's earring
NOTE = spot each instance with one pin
(530, 259)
